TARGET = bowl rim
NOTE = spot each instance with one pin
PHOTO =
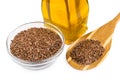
(44, 61)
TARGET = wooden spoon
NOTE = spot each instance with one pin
(104, 35)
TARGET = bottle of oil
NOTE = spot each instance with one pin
(70, 16)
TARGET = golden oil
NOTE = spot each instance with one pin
(70, 16)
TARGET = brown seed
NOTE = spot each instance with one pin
(35, 44)
(87, 52)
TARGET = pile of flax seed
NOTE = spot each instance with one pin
(87, 51)
(35, 44)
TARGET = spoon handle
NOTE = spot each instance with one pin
(104, 33)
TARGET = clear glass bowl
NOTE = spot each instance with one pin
(39, 64)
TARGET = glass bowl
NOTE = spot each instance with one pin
(41, 63)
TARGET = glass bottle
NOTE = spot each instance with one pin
(70, 16)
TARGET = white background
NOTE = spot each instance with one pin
(16, 12)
